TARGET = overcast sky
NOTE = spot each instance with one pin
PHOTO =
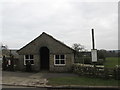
(69, 21)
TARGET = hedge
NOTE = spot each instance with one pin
(96, 71)
(116, 72)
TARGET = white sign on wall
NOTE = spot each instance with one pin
(94, 55)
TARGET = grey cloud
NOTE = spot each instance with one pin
(69, 21)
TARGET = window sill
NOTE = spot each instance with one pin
(31, 64)
(60, 65)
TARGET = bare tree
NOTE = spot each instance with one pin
(78, 47)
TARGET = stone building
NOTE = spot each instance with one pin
(46, 53)
(10, 58)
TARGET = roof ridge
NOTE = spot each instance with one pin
(49, 36)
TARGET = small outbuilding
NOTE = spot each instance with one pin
(46, 53)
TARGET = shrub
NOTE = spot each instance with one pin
(106, 73)
(116, 72)
(87, 60)
(97, 71)
(100, 62)
(101, 54)
(91, 71)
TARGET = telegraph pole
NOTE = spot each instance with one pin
(93, 42)
(93, 50)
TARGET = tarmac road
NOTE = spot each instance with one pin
(6, 87)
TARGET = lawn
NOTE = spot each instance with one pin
(86, 81)
(82, 81)
(112, 61)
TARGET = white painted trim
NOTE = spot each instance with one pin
(54, 59)
(24, 60)
(60, 59)
(28, 59)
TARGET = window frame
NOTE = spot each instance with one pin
(28, 59)
(59, 60)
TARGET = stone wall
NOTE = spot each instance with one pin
(52, 67)
(63, 68)
(21, 62)
(54, 46)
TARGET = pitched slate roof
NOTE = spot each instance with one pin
(50, 37)
(7, 52)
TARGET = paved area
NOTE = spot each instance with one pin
(39, 81)
(23, 78)
(30, 79)
(7, 86)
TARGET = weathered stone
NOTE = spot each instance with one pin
(55, 48)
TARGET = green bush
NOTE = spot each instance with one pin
(101, 54)
(106, 73)
(100, 62)
(91, 71)
(116, 72)
(97, 71)
(87, 60)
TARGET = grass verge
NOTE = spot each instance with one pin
(112, 61)
(82, 81)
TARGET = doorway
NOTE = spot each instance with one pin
(44, 58)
